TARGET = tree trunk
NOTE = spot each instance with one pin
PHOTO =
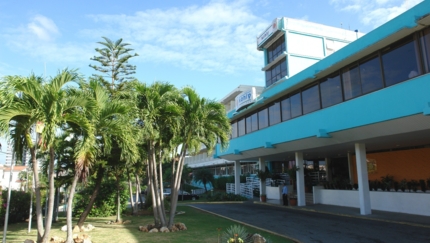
(39, 216)
(98, 185)
(118, 200)
(48, 218)
(69, 238)
(175, 188)
(56, 202)
(130, 188)
(138, 192)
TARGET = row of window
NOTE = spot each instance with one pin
(396, 63)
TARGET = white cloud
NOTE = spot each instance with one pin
(43, 27)
(219, 36)
(375, 12)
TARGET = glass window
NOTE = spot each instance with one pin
(254, 122)
(248, 124)
(263, 119)
(276, 49)
(241, 127)
(296, 105)
(331, 91)
(286, 109)
(371, 75)
(311, 99)
(276, 72)
(425, 43)
(351, 82)
(400, 63)
(275, 113)
(234, 130)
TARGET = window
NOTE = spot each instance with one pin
(425, 43)
(276, 49)
(351, 82)
(234, 130)
(286, 109)
(311, 99)
(371, 75)
(263, 119)
(248, 124)
(241, 127)
(331, 91)
(296, 105)
(276, 72)
(400, 62)
(254, 122)
(275, 113)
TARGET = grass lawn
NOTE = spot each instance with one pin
(202, 227)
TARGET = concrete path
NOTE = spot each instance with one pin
(325, 223)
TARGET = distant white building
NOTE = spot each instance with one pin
(5, 176)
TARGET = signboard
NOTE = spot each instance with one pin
(245, 98)
(268, 32)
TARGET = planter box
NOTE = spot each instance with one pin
(399, 202)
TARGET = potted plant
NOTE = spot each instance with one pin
(292, 200)
(263, 197)
(292, 173)
(263, 175)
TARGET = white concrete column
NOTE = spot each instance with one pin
(237, 177)
(300, 175)
(363, 179)
(351, 181)
(262, 166)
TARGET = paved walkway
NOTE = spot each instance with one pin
(325, 223)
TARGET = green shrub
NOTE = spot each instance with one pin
(105, 204)
(19, 208)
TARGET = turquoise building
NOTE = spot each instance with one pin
(350, 102)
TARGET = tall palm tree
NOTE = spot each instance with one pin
(53, 105)
(158, 114)
(203, 122)
(112, 128)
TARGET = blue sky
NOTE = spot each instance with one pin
(210, 45)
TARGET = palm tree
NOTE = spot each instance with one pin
(204, 176)
(28, 101)
(202, 122)
(158, 113)
(113, 130)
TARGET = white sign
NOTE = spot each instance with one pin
(268, 32)
(245, 98)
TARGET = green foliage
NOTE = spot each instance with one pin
(19, 206)
(105, 204)
(219, 183)
(113, 61)
(235, 234)
(204, 176)
(222, 196)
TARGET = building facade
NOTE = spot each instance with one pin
(364, 108)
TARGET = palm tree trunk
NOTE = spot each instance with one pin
(69, 238)
(138, 192)
(130, 188)
(98, 185)
(175, 187)
(39, 216)
(118, 200)
(48, 219)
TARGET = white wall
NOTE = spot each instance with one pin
(399, 202)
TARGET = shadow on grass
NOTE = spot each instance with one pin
(202, 227)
